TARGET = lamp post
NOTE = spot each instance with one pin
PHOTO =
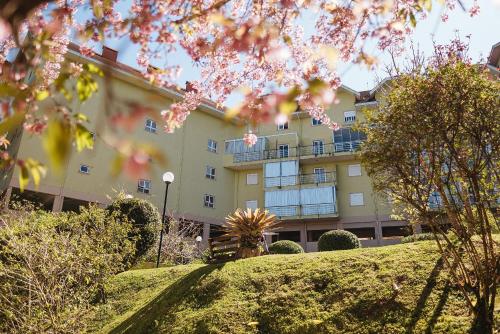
(168, 177)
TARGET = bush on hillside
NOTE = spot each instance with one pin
(285, 247)
(145, 220)
(54, 266)
(419, 237)
(337, 240)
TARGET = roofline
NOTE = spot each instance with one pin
(494, 54)
(350, 90)
(130, 74)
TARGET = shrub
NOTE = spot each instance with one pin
(54, 266)
(419, 237)
(285, 247)
(336, 240)
(145, 220)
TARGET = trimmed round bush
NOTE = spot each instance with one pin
(418, 237)
(285, 247)
(337, 240)
(145, 220)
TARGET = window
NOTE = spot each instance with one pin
(349, 116)
(313, 236)
(283, 150)
(287, 235)
(346, 139)
(319, 175)
(84, 169)
(210, 173)
(315, 122)
(356, 199)
(283, 126)
(354, 170)
(251, 204)
(144, 186)
(212, 146)
(318, 147)
(209, 201)
(252, 179)
(150, 126)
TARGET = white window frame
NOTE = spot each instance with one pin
(150, 126)
(315, 122)
(362, 203)
(283, 126)
(210, 172)
(319, 175)
(250, 178)
(349, 116)
(85, 166)
(281, 150)
(144, 186)
(253, 204)
(318, 147)
(353, 171)
(212, 145)
(209, 201)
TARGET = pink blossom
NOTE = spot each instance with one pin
(250, 139)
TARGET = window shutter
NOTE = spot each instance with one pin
(252, 179)
(354, 170)
(356, 199)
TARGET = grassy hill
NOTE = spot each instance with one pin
(395, 289)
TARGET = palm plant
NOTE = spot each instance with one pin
(249, 227)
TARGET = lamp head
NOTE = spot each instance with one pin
(168, 177)
(199, 238)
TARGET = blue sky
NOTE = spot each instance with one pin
(484, 30)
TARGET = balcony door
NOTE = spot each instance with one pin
(319, 175)
(318, 147)
(283, 151)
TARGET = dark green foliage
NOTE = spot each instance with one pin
(285, 247)
(337, 240)
(53, 266)
(145, 220)
(419, 237)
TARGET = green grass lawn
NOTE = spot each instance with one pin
(394, 289)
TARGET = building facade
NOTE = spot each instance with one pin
(306, 174)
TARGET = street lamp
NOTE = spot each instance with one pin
(198, 242)
(168, 177)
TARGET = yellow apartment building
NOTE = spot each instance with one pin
(306, 174)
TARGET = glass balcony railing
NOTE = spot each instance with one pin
(290, 180)
(304, 210)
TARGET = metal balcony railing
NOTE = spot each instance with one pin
(317, 150)
(304, 210)
(265, 155)
(290, 180)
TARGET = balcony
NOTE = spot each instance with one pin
(314, 178)
(304, 211)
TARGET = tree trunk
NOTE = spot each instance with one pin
(483, 321)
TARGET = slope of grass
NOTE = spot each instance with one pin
(395, 289)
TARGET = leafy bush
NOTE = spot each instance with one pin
(336, 240)
(419, 237)
(285, 247)
(145, 220)
(54, 266)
